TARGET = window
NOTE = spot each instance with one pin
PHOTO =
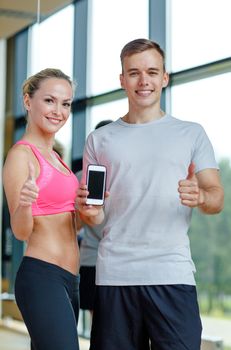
(112, 25)
(199, 32)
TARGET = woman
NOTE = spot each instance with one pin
(41, 191)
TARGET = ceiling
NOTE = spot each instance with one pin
(16, 15)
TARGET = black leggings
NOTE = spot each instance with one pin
(48, 298)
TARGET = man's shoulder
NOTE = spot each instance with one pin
(186, 123)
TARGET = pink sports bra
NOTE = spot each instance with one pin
(57, 191)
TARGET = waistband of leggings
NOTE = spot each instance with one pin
(34, 264)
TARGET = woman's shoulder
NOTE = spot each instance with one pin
(20, 151)
(17, 156)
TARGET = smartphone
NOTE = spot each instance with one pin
(96, 182)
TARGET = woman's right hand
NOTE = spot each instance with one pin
(29, 192)
(21, 190)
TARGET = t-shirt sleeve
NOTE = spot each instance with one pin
(203, 155)
(89, 156)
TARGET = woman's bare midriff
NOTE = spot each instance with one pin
(54, 240)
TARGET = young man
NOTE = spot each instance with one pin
(158, 169)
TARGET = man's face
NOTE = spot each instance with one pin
(143, 78)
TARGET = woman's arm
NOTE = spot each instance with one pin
(21, 191)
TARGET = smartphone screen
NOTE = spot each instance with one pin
(96, 178)
(96, 184)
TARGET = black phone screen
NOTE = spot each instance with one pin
(96, 184)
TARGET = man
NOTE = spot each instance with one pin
(159, 168)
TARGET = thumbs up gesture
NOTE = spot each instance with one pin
(189, 189)
(30, 190)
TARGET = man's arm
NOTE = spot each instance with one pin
(89, 214)
(203, 190)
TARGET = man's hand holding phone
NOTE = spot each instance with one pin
(90, 197)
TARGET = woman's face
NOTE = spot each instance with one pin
(50, 106)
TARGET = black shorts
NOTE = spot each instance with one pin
(87, 287)
(146, 317)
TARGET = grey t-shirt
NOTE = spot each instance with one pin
(145, 240)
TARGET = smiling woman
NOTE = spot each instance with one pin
(50, 99)
(40, 191)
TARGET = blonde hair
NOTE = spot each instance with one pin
(32, 84)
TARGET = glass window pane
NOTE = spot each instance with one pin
(111, 110)
(199, 32)
(112, 25)
(51, 46)
(207, 102)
